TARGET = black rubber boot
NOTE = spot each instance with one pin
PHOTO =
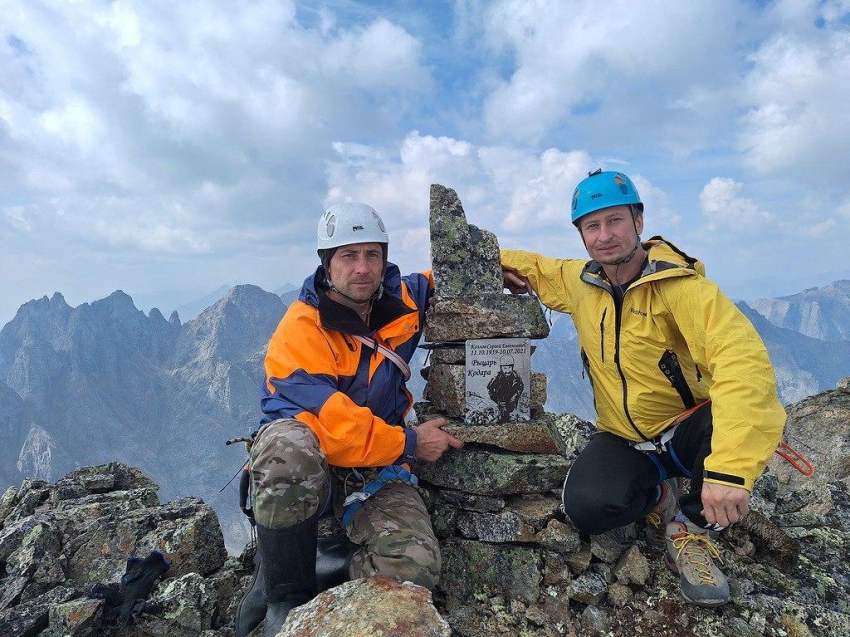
(289, 569)
(252, 608)
(332, 561)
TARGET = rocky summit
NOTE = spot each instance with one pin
(71, 550)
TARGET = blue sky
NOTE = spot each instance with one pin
(167, 148)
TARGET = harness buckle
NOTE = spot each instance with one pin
(357, 496)
(657, 444)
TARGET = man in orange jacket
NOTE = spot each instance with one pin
(333, 431)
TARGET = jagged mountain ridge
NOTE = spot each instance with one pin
(822, 313)
(804, 365)
(104, 382)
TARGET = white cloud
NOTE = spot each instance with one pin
(609, 72)
(193, 128)
(798, 120)
(725, 209)
(523, 197)
(151, 237)
(136, 90)
(193, 143)
(18, 218)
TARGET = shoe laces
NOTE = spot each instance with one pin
(657, 517)
(698, 551)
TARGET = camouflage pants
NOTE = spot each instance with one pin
(291, 481)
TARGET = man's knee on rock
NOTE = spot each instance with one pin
(587, 513)
(407, 559)
(289, 474)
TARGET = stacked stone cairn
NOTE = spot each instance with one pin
(496, 503)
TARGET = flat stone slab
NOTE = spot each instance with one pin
(524, 437)
(485, 316)
(494, 472)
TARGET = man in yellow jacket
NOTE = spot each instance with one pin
(682, 384)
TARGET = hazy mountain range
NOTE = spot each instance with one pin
(105, 381)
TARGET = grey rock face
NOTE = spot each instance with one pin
(464, 258)
(817, 428)
(57, 541)
(804, 366)
(104, 382)
(495, 473)
(375, 606)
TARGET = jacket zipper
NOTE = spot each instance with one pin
(602, 333)
(352, 346)
(618, 311)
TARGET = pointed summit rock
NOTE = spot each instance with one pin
(469, 300)
(465, 259)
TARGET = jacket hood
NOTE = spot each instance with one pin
(335, 316)
(663, 255)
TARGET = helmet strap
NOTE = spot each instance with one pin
(630, 255)
(377, 294)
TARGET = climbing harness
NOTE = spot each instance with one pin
(659, 444)
(387, 352)
(397, 474)
(388, 475)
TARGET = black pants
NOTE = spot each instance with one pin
(612, 484)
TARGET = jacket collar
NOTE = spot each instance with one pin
(663, 258)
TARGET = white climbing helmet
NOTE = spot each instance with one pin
(346, 223)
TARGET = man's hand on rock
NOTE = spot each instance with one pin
(432, 442)
(724, 504)
(515, 283)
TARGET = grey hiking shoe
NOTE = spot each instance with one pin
(690, 553)
(664, 511)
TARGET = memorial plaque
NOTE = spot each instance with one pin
(498, 380)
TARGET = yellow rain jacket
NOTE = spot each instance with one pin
(677, 341)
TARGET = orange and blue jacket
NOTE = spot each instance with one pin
(351, 396)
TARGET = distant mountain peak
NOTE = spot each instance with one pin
(118, 297)
(821, 313)
(246, 297)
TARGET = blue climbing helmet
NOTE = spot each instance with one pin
(602, 190)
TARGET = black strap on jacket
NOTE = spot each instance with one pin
(670, 367)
